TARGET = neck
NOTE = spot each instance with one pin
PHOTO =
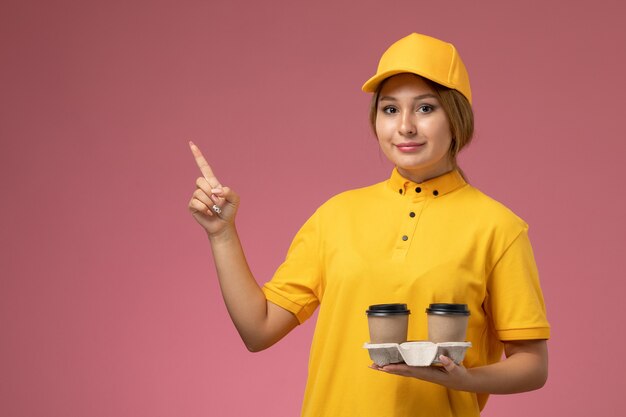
(419, 176)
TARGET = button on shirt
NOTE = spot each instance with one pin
(440, 241)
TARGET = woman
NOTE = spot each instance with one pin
(422, 236)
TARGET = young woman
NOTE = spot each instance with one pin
(422, 236)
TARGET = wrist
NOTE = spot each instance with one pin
(471, 382)
(223, 236)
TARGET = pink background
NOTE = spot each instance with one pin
(109, 301)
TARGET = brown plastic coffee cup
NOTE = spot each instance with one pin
(388, 323)
(447, 322)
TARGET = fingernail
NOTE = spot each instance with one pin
(216, 190)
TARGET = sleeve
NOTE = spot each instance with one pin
(296, 284)
(514, 298)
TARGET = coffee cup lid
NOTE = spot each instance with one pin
(443, 308)
(388, 310)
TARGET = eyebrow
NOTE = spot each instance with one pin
(420, 97)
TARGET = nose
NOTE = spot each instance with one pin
(407, 124)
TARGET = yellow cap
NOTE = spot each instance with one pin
(428, 57)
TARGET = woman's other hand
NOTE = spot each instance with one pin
(212, 205)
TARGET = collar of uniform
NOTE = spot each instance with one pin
(434, 187)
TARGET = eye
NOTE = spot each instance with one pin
(389, 109)
(425, 108)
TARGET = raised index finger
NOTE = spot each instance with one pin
(204, 166)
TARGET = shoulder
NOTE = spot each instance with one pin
(343, 207)
(349, 200)
(489, 212)
(339, 207)
(493, 207)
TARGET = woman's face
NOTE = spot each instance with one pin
(412, 128)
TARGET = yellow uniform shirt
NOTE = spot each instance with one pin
(441, 241)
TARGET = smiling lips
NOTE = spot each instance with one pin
(409, 146)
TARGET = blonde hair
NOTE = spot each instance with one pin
(457, 109)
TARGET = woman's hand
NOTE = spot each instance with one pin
(212, 205)
(524, 369)
(450, 374)
(259, 322)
